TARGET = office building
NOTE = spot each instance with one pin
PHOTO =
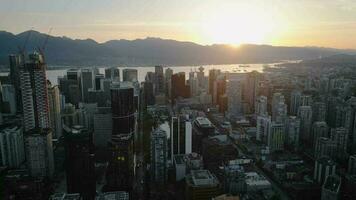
(34, 93)
(86, 82)
(292, 132)
(159, 156)
(159, 80)
(319, 129)
(331, 188)
(219, 89)
(178, 87)
(201, 184)
(325, 147)
(9, 99)
(276, 137)
(305, 115)
(39, 152)
(102, 127)
(306, 100)
(79, 161)
(340, 137)
(129, 75)
(234, 97)
(324, 167)
(213, 74)
(261, 106)
(16, 61)
(70, 115)
(352, 165)
(112, 73)
(120, 170)
(168, 82)
(263, 128)
(252, 88)
(54, 111)
(350, 124)
(279, 108)
(202, 128)
(295, 102)
(319, 111)
(12, 152)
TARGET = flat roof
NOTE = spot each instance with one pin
(203, 178)
(203, 121)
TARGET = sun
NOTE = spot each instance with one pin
(237, 27)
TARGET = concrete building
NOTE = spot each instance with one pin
(319, 129)
(305, 114)
(279, 108)
(261, 106)
(117, 195)
(295, 102)
(234, 97)
(319, 111)
(159, 80)
(12, 152)
(251, 90)
(256, 182)
(184, 163)
(112, 73)
(201, 185)
(325, 147)
(352, 165)
(340, 137)
(70, 115)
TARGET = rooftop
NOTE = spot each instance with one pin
(203, 121)
(332, 183)
(203, 178)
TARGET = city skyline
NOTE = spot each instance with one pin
(281, 23)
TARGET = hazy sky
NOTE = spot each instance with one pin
(330, 23)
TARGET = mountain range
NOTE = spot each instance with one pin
(152, 51)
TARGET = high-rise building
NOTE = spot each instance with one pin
(168, 82)
(234, 97)
(325, 147)
(305, 115)
(39, 152)
(12, 152)
(261, 106)
(178, 87)
(319, 111)
(219, 89)
(159, 156)
(263, 128)
(295, 102)
(352, 165)
(193, 84)
(213, 74)
(112, 73)
(9, 99)
(279, 108)
(200, 77)
(69, 115)
(34, 93)
(120, 170)
(276, 137)
(251, 88)
(159, 80)
(292, 132)
(79, 161)
(350, 124)
(86, 82)
(340, 137)
(129, 75)
(319, 129)
(306, 100)
(97, 81)
(201, 184)
(55, 111)
(324, 166)
(331, 188)
(16, 61)
(102, 127)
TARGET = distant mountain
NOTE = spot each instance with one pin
(152, 51)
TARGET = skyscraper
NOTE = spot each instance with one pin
(331, 188)
(324, 166)
(129, 75)
(213, 74)
(319, 129)
(9, 99)
(16, 61)
(79, 161)
(340, 137)
(293, 132)
(112, 73)
(352, 165)
(350, 124)
(261, 106)
(159, 156)
(279, 108)
(295, 102)
(276, 137)
(12, 152)
(168, 82)
(34, 93)
(234, 95)
(263, 128)
(86, 82)
(159, 80)
(55, 111)
(251, 88)
(120, 170)
(179, 88)
(319, 111)
(305, 115)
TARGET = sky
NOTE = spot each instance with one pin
(326, 23)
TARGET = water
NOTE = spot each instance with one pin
(53, 75)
